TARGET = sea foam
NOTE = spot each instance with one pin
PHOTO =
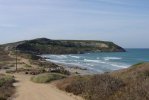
(112, 58)
(94, 61)
(75, 57)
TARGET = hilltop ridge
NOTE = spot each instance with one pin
(48, 46)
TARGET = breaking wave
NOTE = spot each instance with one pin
(93, 61)
(112, 58)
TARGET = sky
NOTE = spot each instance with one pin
(124, 22)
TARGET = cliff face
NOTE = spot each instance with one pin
(47, 46)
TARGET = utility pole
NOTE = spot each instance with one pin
(16, 59)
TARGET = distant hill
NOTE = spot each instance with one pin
(48, 46)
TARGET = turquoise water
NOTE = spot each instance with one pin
(103, 62)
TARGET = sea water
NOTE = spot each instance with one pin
(102, 62)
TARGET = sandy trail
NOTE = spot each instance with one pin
(27, 90)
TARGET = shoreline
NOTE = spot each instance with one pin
(73, 69)
(95, 65)
(78, 70)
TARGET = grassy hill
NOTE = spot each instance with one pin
(47, 46)
(125, 84)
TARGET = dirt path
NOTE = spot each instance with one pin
(27, 90)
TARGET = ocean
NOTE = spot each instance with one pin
(102, 62)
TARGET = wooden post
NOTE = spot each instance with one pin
(16, 60)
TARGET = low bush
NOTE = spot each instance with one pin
(101, 87)
(47, 77)
(5, 79)
(6, 86)
(50, 67)
(140, 63)
(27, 66)
(126, 84)
(77, 85)
(97, 87)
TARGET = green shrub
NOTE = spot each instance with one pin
(6, 86)
(10, 71)
(27, 66)
(140, 63)
(46, 78)
(6, 79)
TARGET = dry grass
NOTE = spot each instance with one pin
(6, 87)
(127, 84)
(5, 60)
(137, 80)
(4, 56)
(92, 87)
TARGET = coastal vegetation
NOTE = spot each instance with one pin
(47, 46)
(47, 77)
(6, 86)
(126, 84)
(5, 59)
